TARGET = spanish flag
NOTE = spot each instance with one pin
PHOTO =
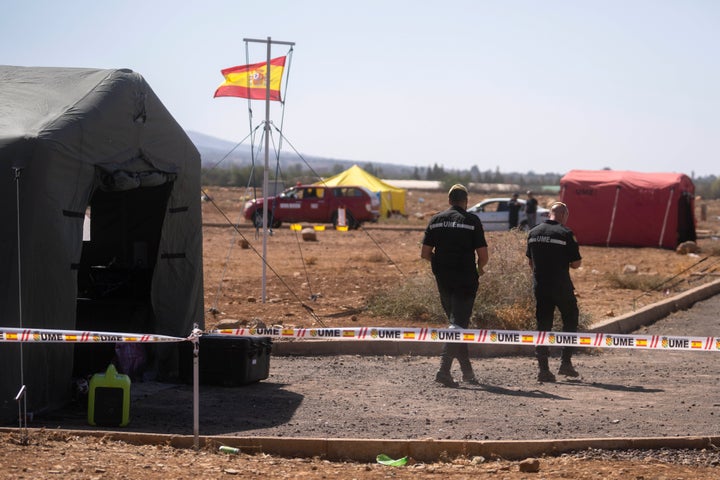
(250, 81)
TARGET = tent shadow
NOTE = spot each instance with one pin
(168, 408)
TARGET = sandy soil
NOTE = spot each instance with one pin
(56, 455)
(374, 397)
(342, 269)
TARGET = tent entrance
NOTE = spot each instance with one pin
(116, 268)
(686, 222)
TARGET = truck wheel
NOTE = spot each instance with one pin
(352, 223)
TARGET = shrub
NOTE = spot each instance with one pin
(504, 300)
(416, 298)
(644, 283)
(376, 257)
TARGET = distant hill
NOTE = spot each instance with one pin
(214, 150)
(223, 153)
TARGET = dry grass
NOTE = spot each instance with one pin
(504, 298)
(504, 301)
(414, 299)
(634, 281)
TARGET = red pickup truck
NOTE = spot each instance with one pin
(316, 203)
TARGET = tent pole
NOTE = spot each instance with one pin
(667, 212)
(612, 219)
(22, 394)
(195, 339)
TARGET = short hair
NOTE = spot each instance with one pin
(557, 207)
(457, 193)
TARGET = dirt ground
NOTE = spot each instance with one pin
(335, 275)
(56, 455)
(633, 394)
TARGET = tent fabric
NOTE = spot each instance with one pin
(72, 138)
(624, 208)
(392, 199)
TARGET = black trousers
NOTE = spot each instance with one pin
(457, 302)
(546, 300)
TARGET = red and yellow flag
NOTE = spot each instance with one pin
(250, 81)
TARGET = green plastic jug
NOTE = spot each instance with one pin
(109, 399)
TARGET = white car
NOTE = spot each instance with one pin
(493, 212)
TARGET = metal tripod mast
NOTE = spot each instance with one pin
(265, 187)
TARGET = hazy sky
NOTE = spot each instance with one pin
(541, 85)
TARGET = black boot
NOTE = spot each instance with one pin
(443, 375)
(468, 376)
(566, 366)
(544, 375)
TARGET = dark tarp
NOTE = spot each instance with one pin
(73, 139)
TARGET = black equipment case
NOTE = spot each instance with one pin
(230, 360)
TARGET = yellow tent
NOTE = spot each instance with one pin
(392, 199)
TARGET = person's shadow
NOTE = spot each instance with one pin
(571, 382)
(517, 393)
(613, 387)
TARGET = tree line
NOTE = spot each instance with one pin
(249, 176)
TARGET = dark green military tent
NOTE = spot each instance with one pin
(98, 144)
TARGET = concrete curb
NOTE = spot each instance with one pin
(652, 313)
(622, 324)
(366, 450)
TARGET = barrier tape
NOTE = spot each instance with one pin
(487, 337)
(442, 335)
(77, 336)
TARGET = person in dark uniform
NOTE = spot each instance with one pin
(552, 250)
(514, 207)
(531, 206)
(455, 245)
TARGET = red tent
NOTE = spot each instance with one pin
(616, 208)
